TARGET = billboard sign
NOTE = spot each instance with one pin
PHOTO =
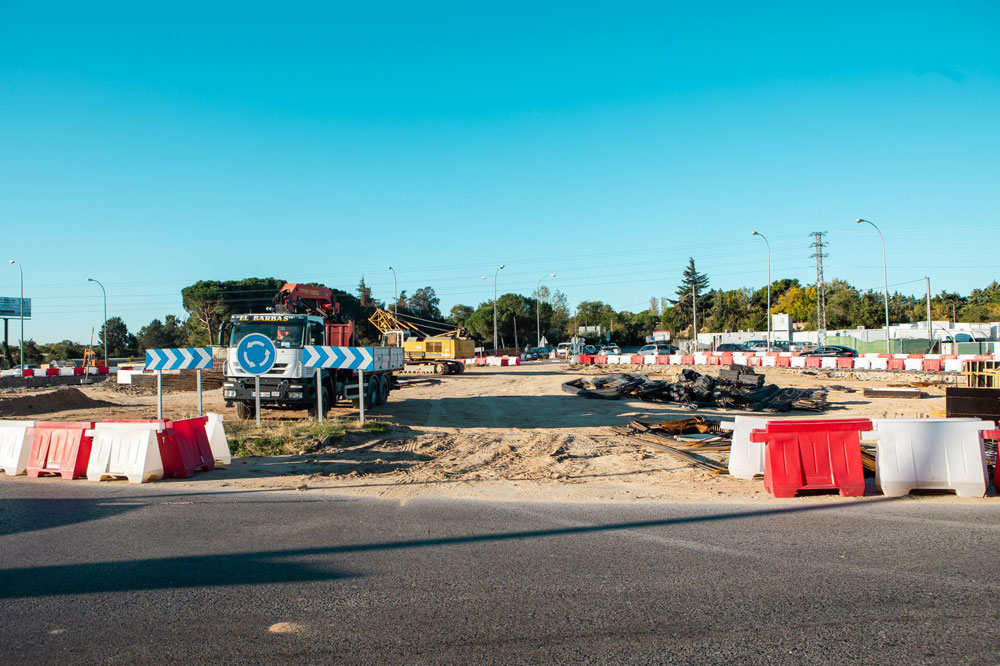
(10, 307)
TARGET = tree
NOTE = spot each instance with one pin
(210, 302)
(120, 341)
(62, 351)
(800, 304)
(559, 320)
(365, 295)
(692, 283)
(168, 334)
(460, 314)
(424, 303)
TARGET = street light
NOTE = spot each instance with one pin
(497, 272)
(538, 307)
(885, 282)
(14, 261)
(395, 292)
(105, 318)
(768, 288)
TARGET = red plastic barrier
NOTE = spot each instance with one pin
(755, 361)
(995, 436)
(51, 372)
(192, 441)
(914, 356)
(600, 360)
(687, 359)
(814, 362)
(662, 359)
(845, 363)
(897, 364)
(713, 360)
(949, 357)
(102, 371)
(885, 355)
(586, 359)
(79, 371)
(813, 455)
(726, 358)
(59, 448)
(932, 364)
(637, 359)
(784, 362)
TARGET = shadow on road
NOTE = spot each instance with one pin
(280, 566)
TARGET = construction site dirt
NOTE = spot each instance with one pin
(507, 433)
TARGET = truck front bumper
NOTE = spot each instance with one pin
(271, 390)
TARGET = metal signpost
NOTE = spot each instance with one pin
(339, 358)
(255, 353)
(186, 358)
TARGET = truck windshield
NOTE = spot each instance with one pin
(284, 334)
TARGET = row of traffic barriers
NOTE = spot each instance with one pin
(139, 450)
(825, 454)
(907, 362)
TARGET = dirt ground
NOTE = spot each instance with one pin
(491, 433)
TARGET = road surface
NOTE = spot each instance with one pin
(121, 574)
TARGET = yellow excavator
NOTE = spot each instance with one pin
(436, 351)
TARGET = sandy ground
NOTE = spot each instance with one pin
(491, 433)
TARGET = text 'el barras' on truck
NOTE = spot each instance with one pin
(303, 315)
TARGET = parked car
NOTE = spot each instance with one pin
(535, 353)
(657, 350)
(610, 349)
(732, 347)
(563, 349)
(802, 346)
(832, 351)
(590, 350)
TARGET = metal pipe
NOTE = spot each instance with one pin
(885, 282)
(768, 288)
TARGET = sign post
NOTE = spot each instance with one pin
(361, 394)
(255, 353)
(319, 396)
(185, 358)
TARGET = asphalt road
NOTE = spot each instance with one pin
(113, 573)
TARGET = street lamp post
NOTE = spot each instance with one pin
(538, 307)
(768, 288)
(105, 318)
(885, 282)
(497, 272)
(395, 292)
(21, 305)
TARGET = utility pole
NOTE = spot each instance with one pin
(538, 309)
(818, 254)
(694, 315)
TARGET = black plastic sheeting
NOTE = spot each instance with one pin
(696, 391)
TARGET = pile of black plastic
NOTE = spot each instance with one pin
(735, 388)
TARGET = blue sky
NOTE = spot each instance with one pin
(150, 146)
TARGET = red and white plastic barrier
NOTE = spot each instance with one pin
(58, 372)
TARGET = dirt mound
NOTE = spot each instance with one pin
(60, 400)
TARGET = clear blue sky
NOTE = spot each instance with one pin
(150, 146)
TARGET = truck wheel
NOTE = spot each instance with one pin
(371, 395)
(440, 369)
(326, 403)
(459, 368)
(383, 390)
(245, 410)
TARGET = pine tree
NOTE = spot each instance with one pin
(695, 283)
(365, 294)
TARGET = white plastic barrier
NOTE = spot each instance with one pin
(675, 359)
(125, 449)
(862, 363)
(700, 359)
(913, 364)
(217, 439)
(649, 359)
(880, 364)
(952, 365)
(15, 445)
(619, 359)
(798, 362)
(769, 361)
(739, 359)
(944, 454)
(828, 362)
(746, 458)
